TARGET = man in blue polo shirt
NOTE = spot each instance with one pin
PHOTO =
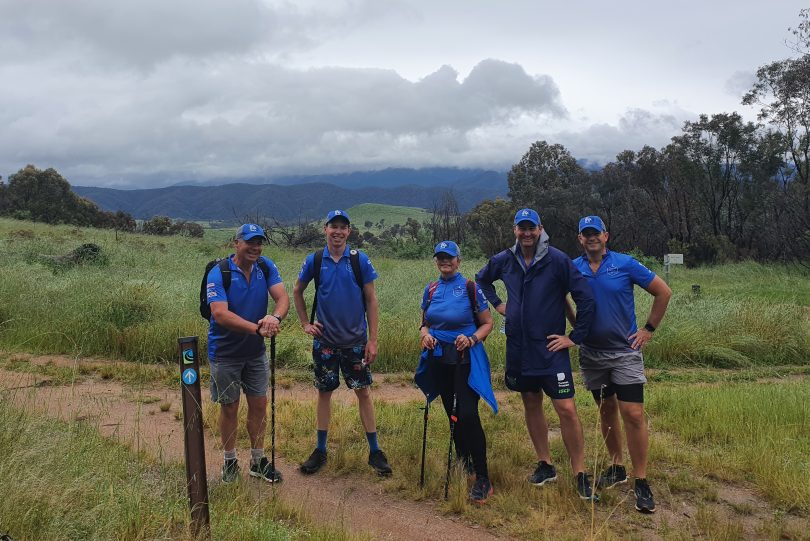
(537, 278)
(342, 341)
(236, 352)
(610, 357)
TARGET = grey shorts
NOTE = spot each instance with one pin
(610, 367)
(228, 376)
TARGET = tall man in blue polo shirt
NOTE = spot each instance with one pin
(537, 278)
(342, 341)
(610, 357)
(236, 352)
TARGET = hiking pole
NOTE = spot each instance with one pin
(453, 421)
(273, 407)
(424, 444)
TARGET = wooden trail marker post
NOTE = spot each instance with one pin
(194, 437)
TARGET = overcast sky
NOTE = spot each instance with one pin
(149, 92)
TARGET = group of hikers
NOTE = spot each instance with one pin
(456, 320)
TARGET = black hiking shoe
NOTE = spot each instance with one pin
(481, 490)
(614, 475)
(544, 473)
(644, 497)
(230, 470)
(378, 461)
(585, 487)
(264, 470)
(314, 463)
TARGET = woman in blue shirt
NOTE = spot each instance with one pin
(455, 321)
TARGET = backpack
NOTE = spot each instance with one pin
(354, 258)
(225, 269)
(470, 295)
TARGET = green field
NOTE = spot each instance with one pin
(143, 295)
(374, 212)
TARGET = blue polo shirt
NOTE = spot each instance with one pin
(341, 308)
(248, 301)
(450, 307)
(612, 286)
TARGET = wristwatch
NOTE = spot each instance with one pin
(279, 318)
(648, 327)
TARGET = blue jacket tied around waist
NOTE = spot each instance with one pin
(479, 380)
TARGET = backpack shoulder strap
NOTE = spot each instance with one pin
(471, 294)
(265, 269)
(316, 267)
(432, 287)
(317, 259)
(225, 269)
(354, 258)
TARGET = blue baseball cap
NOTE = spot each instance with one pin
(250, 231)
(337, 214)
(592, 222)
(527, 215)
(447, 247)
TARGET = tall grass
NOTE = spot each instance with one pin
(146, 296)
(64, 481)
(758, 432)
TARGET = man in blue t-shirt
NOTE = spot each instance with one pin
(236, 353)
(342, 340)
(610, 356)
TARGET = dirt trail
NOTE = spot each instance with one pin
(121, 413)
(133, 417)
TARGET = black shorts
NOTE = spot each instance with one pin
(556, 386)
(626, 393)
(328, 359)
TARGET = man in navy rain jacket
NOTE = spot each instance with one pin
(537, 278)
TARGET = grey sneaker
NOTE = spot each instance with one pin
(230, 470)
(585, 487)
(264, 470)
(544, 473)
(614, 475)
(378, 461)
(314, 463)
(644, 497)
(481, 490)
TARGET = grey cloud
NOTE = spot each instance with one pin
(209, 119)
(145, 33)
(601, 143)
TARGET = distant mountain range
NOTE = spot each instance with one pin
(289, 198)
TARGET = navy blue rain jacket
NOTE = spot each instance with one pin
(535, 306)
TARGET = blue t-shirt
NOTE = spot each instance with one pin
(450, 306)
(248, 301)
(612, 286)
(341, 307)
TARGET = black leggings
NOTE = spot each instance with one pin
(469, 438)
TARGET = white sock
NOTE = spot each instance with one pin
(230, 454)
(256, 455)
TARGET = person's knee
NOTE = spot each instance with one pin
(633, 415)
(363, 394)
(609, 407)
(229, 411)
(566, 410)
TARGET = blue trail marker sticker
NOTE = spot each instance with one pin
(188, 356)
(189, 376)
